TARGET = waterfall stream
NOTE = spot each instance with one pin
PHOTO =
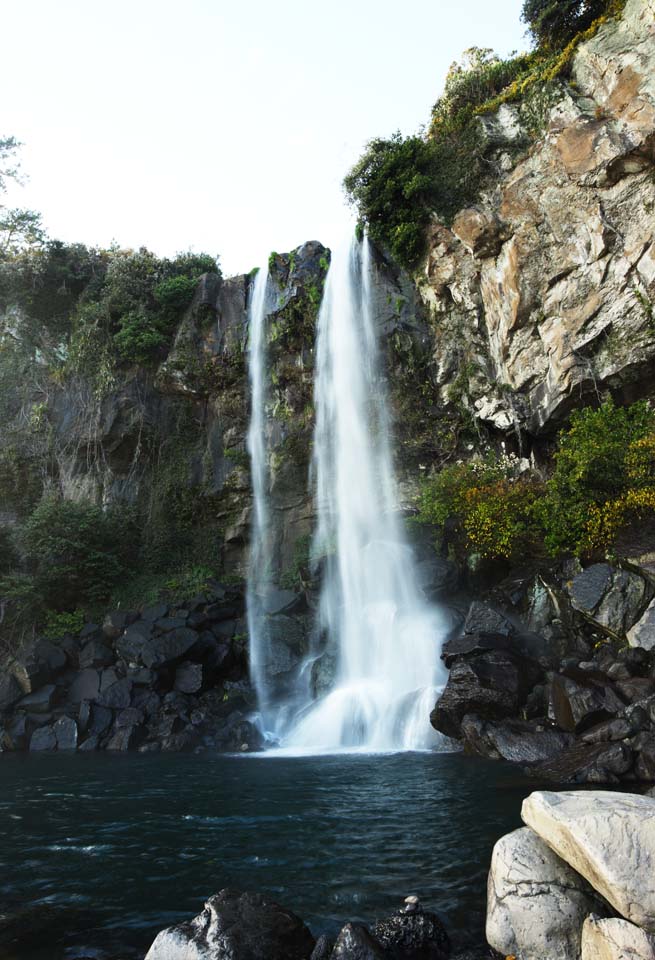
(374, 623)
(260, 553)
(385, 638)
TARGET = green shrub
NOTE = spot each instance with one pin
(58, 623)
(76, 552)
(392, 187)
(140, 336)
(590, 470)
(176, 293)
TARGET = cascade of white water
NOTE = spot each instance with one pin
(259, 566)
(386, 638)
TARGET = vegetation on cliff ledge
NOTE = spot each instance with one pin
(602, 480)
(400, 182)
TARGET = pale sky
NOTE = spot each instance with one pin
(220, 126)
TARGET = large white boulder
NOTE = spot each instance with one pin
(609, 838)
(615, 939)
(536, 904)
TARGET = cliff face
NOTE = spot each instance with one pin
(543, 294)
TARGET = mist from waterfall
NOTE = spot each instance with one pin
(386, 639)
(259, 569)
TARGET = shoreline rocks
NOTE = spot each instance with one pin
(577, 882)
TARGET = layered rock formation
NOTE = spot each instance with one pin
(543, 293)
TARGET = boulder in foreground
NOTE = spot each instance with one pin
(608, 838)
(236, 926)
(536, 904)
(615, 939)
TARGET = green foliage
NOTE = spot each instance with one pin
(75, 552)
(392, 186)
(20, 229)
(591, 469)
(552, 23)
(58, 623)
(176, 293)
(140, 336)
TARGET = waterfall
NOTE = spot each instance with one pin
(260, 551)
(385, 638)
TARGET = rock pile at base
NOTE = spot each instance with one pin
(168, 678)
(246, 926)
(558, 675)
(578, 883)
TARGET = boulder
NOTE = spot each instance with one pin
(236, 926)
(642, 634)
(615, 939)
(10, 691)
(493, 686)
(471, 645)
(43, 739)
(156, 612)
(125, 737)
(116, 622)
(165, 649)
(39, 702)
(65, 730)
(645, 765)
(188, 678)
(95, 654)
(586, 763)
(608, 838)
(118, 695)
(514, 740)
(575, 706)
(85, 686)
(482, 618)
(610, 598)
(356, 943)
(413, 934)
(536, 904)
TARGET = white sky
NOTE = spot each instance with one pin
(220, 125)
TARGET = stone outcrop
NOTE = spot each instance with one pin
(543, 293)
(171, 677)
(536, 903)
(609, 839)
(542, 675)
(615, 939)
(236, 926)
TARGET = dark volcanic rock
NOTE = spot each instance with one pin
(10, 691)
(514, 740)
(483, 618)
(586, 763)
(609, 597)
(575, 707)
(493, 686)
(116, 622)
(323, 949)
(470, 645)
(356, 943)
(645, 765)
(118, 695)
(95, 654)
(413, 934)
(236, 926)
(188, 678)
(41, 701)
(65, 730)
(43, 739)
(85, 686)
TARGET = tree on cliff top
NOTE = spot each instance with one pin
(19, 228)
(552, 23)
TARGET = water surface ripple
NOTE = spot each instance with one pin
(137, 842)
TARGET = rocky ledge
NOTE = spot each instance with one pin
(577, 882)
(555, 671)
(170, 678)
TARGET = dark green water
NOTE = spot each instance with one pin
(134, 843)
